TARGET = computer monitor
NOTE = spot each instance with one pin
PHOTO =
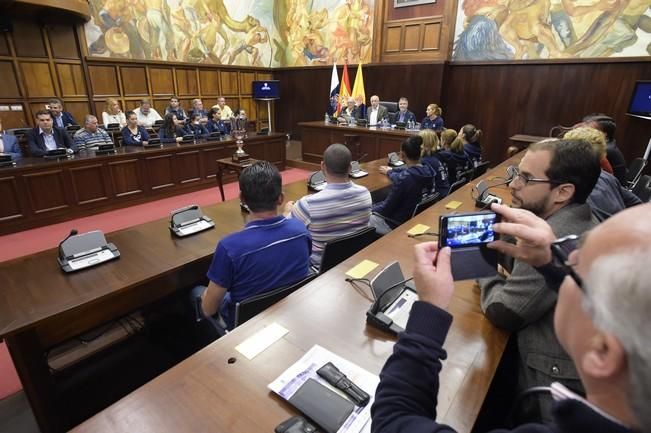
(641, 100)
(268, 89)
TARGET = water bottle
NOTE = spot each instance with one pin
(326, 119)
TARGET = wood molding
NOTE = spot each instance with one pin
(414, 39)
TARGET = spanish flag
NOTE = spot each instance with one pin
(358, 89)
(344, 89)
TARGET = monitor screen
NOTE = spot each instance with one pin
(269, 89)
(641, 99)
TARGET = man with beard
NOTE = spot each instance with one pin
(553, 181)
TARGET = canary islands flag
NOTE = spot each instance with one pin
(333, 106)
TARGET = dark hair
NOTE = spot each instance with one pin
(42, 112)
(174, 97)
(260, 186)
(411, 147)
(129, 113)
(573, 161)
(337, 159)
(55, 101)
(603, 123)
(212, 112)
(194, 115)
(168, 125)
(471, 133)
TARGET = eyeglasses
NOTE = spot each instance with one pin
(561, 250)
(514, 174)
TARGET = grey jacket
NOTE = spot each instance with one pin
(382, 113)
(522, 303)
(609, 197)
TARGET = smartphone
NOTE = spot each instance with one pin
(467, 229)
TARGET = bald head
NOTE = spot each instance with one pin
(336, 159)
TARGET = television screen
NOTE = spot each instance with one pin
(269, 89)
(641, 99)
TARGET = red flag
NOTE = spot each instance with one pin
(344, 89)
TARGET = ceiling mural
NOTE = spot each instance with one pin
(269, 33)
(551, 29)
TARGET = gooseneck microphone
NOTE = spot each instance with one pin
(73, 232)
(362, 157)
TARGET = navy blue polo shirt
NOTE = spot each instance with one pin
(266, 255)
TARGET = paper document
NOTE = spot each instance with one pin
(453, 204)
(261, 340)
(418, 229)
(361, 269)
(306, 367)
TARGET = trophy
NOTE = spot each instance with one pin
(238, 130)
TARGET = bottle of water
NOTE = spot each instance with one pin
(326, 119)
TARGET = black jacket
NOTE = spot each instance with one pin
(37, 144)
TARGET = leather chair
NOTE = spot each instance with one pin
(426, 202)
(643, 188)
(392, 108)
(480, 169)
(339, 249)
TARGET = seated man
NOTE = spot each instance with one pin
(553, 181)
(408, 187)
(47, 137)
(61, 118)
(404, 115)
(600, 320)
(225, 110)
(195, 128)
(376, 113)
(9, 144)
(147, 115)
(271, 252)
(350, 113)
(197, 107)
(90, 136)
(176, 109)
(340, 209)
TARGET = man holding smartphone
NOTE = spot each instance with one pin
(552, 181)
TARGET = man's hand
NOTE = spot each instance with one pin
(533, 235)
(384, 169)
(434, 282)
(288, 207)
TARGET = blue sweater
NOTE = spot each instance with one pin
(407, 188)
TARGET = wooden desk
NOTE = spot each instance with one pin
(375, 142)
(38, 192)
(207, 393)
(227, 165)
(40, 306)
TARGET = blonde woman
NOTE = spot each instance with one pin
(597, 140)
(453, 155)
(113, 113)
(433, 120)
(429, 156)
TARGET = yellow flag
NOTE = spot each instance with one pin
(358, 87)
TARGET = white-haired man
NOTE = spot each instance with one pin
(600, 319)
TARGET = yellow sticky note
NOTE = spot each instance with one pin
(418, 229)
(454, 204)
(361, 269)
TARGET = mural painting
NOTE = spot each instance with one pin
(234, 32)
(551, 29)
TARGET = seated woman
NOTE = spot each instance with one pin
(433, 120)
(194, 127)
(453, 156)
(470, 137)
(597, 139)
(113, 113)
(170, 132)
(428, 156)
(215, 122)
(134, 134)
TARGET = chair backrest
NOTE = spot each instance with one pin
(339, 249)
(480, 169)
(18, 131)
(635, 171)
(643, 188)
(426, 202)
(248, 308)
(391, 107)
(458, 184)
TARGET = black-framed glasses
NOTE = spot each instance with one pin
(561, 250)
(514, 174)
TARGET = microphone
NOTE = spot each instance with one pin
(362, 157)
(483, 199)
(73, 232)
(378, 303)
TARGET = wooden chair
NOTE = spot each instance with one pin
(339, 249)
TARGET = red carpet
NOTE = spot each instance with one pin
(39, 239)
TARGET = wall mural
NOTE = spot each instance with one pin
(234, 32)
(552, 29)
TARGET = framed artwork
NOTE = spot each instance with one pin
(403, 3)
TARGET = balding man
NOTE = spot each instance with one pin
(350, 113)
(376, 113)
(340, 209)
(600, 319)
(90, 136)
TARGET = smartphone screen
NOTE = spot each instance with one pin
(469, 229)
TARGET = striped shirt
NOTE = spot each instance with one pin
(90, 140)
(340, 209)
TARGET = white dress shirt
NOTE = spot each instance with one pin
(48, 139)
(372, 117)
(147, 120)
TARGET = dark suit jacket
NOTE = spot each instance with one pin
(67, 119)
(382, 113)
(11, 146)
(408, 116)
(37, 144)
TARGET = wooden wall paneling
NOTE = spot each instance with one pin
(161, 81)
(160, 105)
(15, 118)
(63, 44)
(431, 36)
(71, 79)
(208, 103)
(4, 45)
(264, 75)
(209, 82)
(126, 178)
(229, 83)
(134, 81)
(186, 82)
(79, 109)
(88, 184)
(246, 82)
(411, 37)
(9, 87)
(187, 167)
(38, 79)
(417, 11)
(393, 38)
(46, 191)
(209, 169)
(11, 207)
(37, 105)
(104, 81)
(28, 39)
(249, 106)
(160, 171)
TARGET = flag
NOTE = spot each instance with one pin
(358, 89)
(344, 88)
(333, 106)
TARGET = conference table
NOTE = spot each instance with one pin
(218, 389)
(41, 306)
(39, 192)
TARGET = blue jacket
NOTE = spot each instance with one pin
(216, 126)
(609, 197)
(37, 144)
(473, 150)
(11, 146)
(164, 138)
(199, 131)
(129, 140)
(66, 118)
(441, 181)
(408, 116)
(455, 162)
(405, 399)
(436, 124)
(407, 188)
